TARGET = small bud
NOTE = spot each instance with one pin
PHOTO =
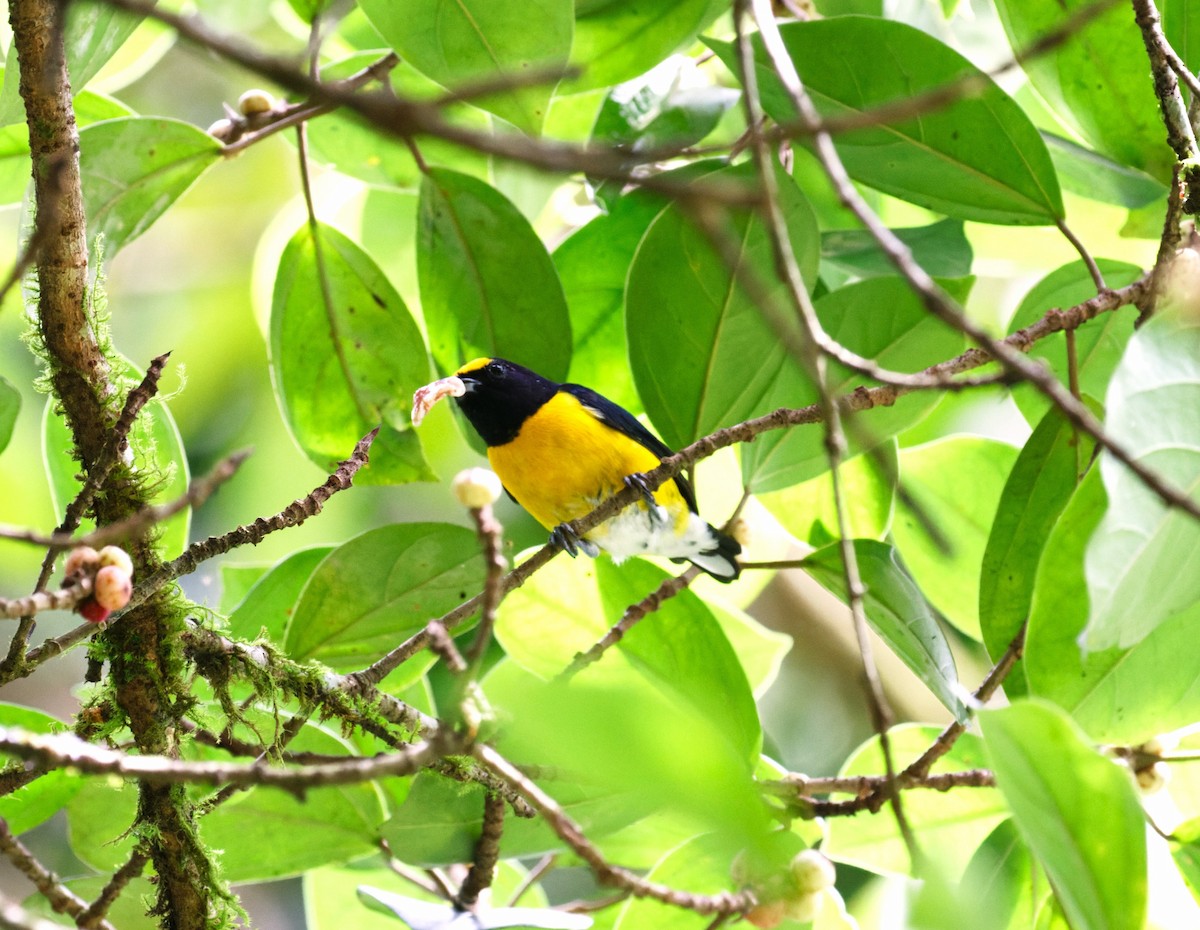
(767, 916)
(112, 587)
(255, 102)
(92, 612)
(812, 872)
(115, 555)
(477, 487)
(82, 561)
(222, 129)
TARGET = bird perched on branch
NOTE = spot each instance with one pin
(561, 449)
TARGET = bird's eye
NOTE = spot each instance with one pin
(497, 371)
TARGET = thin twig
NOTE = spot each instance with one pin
(60, 897)
(835, 440)
(634, 613)
(606, 873)
(486, 855)
(137, 523)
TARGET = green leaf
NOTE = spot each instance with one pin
(338, 823)
(134, 168)
(979, 158)
(379, 588)
(592, 264)
(488, 287)
(896, 611)
(1098, 343)
(471, 41)
(1097, 80)
(956, 483)
(940, 248)
(10, 406)
(808, 510)
(341, 370)
(620, 39)
(38, 801)
(1077, 811)
(692, 324)
(998, 880)
(1119, 695)
(362, 152)
(95, 31)
(1185, 848)
(158, 451)
(1143, 563)
(879, 318)
(684, 650)
(660, 111)
(1038, 488)
(268, 606)
(949, 824)
(1089, 174)
(683, 647)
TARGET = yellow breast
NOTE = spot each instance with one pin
(564, 461)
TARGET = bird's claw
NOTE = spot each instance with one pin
(571, 542)
(638, 483)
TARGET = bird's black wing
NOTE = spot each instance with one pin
(624, 422)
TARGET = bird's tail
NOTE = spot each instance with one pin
(720, 560)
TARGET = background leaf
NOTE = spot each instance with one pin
(1096, 81)
(692, 324)
(477, 40)
(10, 406)
(1143, 563)
(374, 591)
(341, 370)
(896, 611)
(1081, 818)
(470, 238)
(134, 168)
(940, 248)
(42, 798)
(980, 158)
(1038, 488)
(957, 483)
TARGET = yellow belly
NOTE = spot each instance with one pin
(565, 461)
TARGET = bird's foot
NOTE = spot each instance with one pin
(571, 542)
(638, 482)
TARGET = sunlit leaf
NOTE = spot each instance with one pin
(896, 611)
(1143, 563)
(134, 168)
(978, 158)
(1098, 343)
(469, 41)
(1038, 488)
(374, 591)
(1077, 811)
(1096, 80)
(1116, 694)
(268, 605)
(44, 796)
(954, 485)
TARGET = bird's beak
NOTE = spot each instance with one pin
(425, 397)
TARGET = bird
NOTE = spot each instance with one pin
(561, 449)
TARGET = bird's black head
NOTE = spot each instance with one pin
(500, 396)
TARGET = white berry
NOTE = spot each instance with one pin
(115, 555)
(477, 487)
(82, 561)
(113, 587)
